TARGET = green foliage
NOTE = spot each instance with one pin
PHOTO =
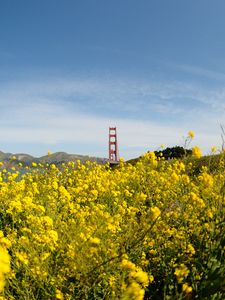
(173, 152)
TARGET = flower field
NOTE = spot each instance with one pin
(153, 230)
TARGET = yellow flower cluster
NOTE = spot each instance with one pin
(4, 266)
(196, 151)
(86, 231)
(4, 260)
(181, 272)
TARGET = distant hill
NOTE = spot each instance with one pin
(56, 158)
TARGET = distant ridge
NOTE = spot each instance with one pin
(57, 158)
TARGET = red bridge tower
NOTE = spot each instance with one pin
(113, 146)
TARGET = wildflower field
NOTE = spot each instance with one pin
(153, 230)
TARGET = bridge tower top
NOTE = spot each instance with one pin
(113, 146)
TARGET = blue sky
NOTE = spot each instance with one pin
(69, 69)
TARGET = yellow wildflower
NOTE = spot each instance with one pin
(22, 257)
(196, 151)
(126, 264)
(59, 295)
(181, 272)
(133, 292)
(155, 212)
(191, 134)
(95, 240)
(213, 149)
(140, 276)
(4, 266)
(186, 288)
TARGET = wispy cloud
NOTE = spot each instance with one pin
(78, 111)
(202, 72)
(116, 93)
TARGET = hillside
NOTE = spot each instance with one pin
(57, 158)
(212, 162)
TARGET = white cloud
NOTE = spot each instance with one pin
(70, 111)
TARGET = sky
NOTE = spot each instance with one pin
(69, 69)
